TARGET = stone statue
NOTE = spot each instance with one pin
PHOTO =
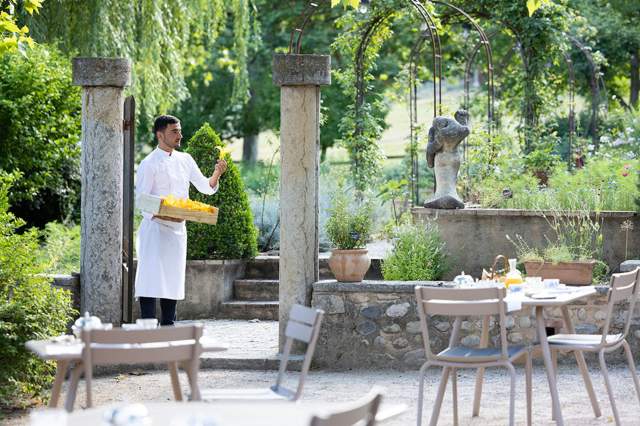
(445, 135)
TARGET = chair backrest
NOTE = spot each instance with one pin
(624, 287)
(460, 302)
(362, 412)
(303, 326)
(120, 346)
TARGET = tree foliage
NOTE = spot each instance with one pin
(12, 36)
(40, 112)
(163, 38)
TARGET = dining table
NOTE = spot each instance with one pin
(538, 301)
(227, 413)
(66, 351)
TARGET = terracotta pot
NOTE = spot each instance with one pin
(349, 265)
(570, 273)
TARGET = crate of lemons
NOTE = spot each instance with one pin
(178, 208)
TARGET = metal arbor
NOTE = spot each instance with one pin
(368, 31)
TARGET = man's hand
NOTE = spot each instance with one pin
(221, 167)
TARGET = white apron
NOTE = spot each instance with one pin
(161, 245)
(162, 252)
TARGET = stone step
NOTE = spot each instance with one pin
(262, 267)
(242, 309)
(255, 290)
(267, 267)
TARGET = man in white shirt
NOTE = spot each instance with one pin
(162, 241)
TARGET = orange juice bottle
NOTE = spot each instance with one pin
(513, 276)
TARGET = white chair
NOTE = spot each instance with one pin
(625, 287)
(171, 345)
(464, 302)
(304, 326)
(362, 412)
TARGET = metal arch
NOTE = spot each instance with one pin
(305, 16)
(436, 54)
(487, 48)
(467, 70)
(413, 117)
(595, 88)
(572, 105)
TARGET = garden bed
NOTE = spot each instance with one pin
(474, 237)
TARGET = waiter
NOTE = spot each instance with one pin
(162, 241)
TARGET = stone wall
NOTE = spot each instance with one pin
(474, 237)
(208, 283)
(375, 324)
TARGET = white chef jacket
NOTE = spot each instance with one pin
(161, 245)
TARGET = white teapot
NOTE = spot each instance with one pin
(463, 280)
(87, 321)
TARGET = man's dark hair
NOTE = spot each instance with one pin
(162, 122)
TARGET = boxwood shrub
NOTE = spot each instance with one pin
(235, 235)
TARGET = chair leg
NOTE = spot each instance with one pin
(607, 382)
(512, 395)
(632, 367)
(478, 392)
(175, 381)
(554, 360)
(73, 387)
(423, 370)
(454, 394)
(192, 375)
(438, 402)
(88, 381)
(529, 381)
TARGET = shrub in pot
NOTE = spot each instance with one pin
(348, 229)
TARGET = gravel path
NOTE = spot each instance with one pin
(401, 387)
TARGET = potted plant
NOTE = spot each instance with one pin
(348, 229)
(571, 252)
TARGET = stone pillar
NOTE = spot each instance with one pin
(102, 81)
(300, 78)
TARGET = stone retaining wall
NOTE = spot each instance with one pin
(208, 283)
(375, 324)
(474, 237)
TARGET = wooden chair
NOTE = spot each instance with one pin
(458, 303)
(173, 345)
(304, 326)
(625, 287)
(362, 412)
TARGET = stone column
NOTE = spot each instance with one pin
(300, 78)
(102, 81)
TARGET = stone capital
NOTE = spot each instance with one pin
(301, 70)
(113, 72)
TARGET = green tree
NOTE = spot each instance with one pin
(29, 309)
(40, 112)
(613, 30)
(234, 236)
(163, 38)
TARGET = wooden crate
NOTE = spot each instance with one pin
(153, 204)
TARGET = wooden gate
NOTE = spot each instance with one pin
(129, 126)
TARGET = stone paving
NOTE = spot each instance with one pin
(401, 387)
